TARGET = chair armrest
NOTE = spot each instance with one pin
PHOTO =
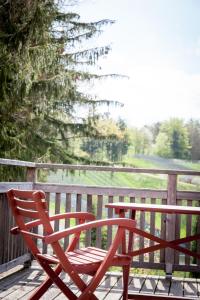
(29, 225)
(76, 215)
(15, 230)
(121, 222)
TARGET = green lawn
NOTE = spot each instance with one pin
(129, 179)
(115, 179)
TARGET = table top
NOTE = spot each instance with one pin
(170, 209)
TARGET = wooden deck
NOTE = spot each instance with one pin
(20, 285)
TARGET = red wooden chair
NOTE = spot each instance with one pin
(93, 261)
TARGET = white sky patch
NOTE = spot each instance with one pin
(157, 44)
(153, 94)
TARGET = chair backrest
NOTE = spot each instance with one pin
(29, 209)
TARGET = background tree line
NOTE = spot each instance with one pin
(173, 138)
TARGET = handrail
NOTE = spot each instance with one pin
(12, 162)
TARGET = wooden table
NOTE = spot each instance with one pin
(120, 209)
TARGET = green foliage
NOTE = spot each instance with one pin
(172, 140)
(41, 68)
(113, 143)
(141, 140)
(162, 146)
(193, 127)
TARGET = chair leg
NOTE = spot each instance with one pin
(41, 289)
(53, 277)
(126, 270)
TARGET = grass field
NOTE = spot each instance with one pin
(129, 179)
(117, 179)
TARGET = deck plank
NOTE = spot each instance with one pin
(190, 288)
(163, 286)
(22, 284)
(53, 292)
(103, 288)
(59, 295)
(149, 285)
(114, 289)
(177, 287)
(136, 283)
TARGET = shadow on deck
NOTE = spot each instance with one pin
(21, 284)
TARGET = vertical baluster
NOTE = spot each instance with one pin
(78, 208)
(110, 216)
(12, 246)
(99, 217)
(31, 175)
(121, 198)
(132, 199)
(163, 231)
(3, 229)
(89, 209)
(122, 249)
(47, 199)
(67, 221)
(131, 235)
(44, 246)
(78, 202)
(142, 227)
(7, 233)
(177, 234)
(170, 225)
(152, 230)
(198, 241)
(188, 231)
(57, 210)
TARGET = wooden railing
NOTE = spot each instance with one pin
(93, 199)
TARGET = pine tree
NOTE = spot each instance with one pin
(40, 71)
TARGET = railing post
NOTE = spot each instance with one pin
(31, 175)
(170, 223)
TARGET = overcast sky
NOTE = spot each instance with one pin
(157, 44)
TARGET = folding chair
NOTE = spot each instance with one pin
(93, 261)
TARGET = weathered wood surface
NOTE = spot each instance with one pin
(93, 198)
(5, 186)
(170, 222)
(12, 248)
(21, 285)
(100, 190)
(116, 169)
(13, 162)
